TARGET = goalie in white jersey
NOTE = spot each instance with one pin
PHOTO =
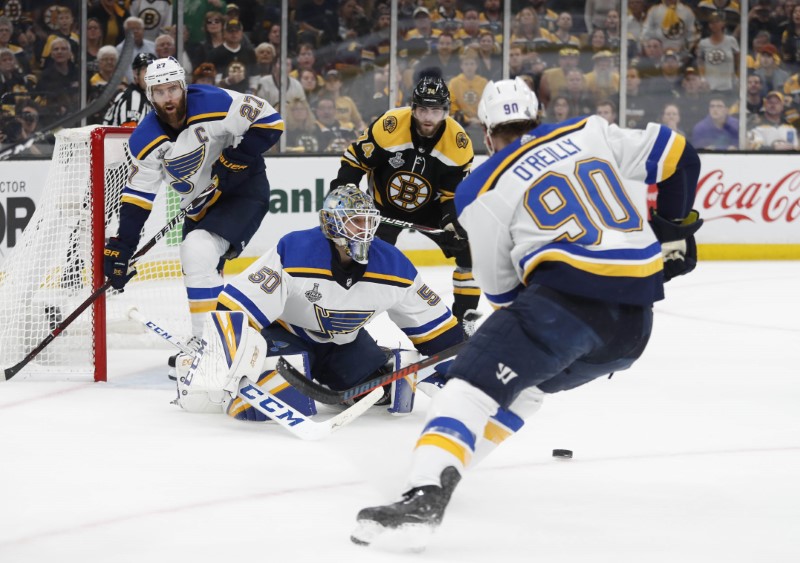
(314, 293)
(196, 137)
(561, 246)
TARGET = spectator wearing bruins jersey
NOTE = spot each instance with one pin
(414, 158)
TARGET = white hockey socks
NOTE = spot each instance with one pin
(455, 422)
(506, 422)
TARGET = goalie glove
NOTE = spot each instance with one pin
(234, 167)
(116, 260)
(678, 246)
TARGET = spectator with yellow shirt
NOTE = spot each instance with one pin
(423, 28)
(528, 30)
(603, 81)
(107, 58)
(465, 93)
(64, 29)
(555, 79)
(470, 28)
(6, 30)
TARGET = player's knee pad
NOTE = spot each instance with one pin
(200, 252)
(402, 391)
(229, 350)
(271, 382)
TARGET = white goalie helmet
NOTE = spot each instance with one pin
(507, 101)
(348, 217)
(164, 71)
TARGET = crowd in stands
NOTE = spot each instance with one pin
(682, 61)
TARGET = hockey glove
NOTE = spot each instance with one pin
(234, 167)
(677, 243)
(117, 256)
(454, 239)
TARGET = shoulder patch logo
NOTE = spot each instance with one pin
(390, 124)
(462, 140)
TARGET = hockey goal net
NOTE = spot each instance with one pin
(59, 262)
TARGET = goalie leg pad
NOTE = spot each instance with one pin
(229, 350)
(402, 390)
(273, 383)
(197, 392)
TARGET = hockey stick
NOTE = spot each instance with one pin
(407, 225)
(328, 396)
(12, 371)
(267, 404)
(297, 423)
(123, 64)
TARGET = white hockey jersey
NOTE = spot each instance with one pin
(566, 207)
(294, 285)
(216, 119)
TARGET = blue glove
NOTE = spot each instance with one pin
(234, 167)
(117, 257)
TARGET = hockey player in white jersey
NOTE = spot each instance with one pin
(196, 137)
(561, 246)
(314, 293)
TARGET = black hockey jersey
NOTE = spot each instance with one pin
(409, 176)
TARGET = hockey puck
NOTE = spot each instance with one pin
(562, 454)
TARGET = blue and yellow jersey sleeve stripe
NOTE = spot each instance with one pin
(664, 156)
(272, 121)
(431, 329)
(138, 198)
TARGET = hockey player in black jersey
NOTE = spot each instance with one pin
(414, 157)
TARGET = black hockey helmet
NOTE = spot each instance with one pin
(431, 91)
(142, 60)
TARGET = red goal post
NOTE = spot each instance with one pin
(58, 263)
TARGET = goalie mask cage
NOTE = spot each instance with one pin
(58, 263)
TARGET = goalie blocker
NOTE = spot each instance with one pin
(231, 350)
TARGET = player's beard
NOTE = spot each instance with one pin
(172, 114)
(426, 129)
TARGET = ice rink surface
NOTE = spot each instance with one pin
(693, 455)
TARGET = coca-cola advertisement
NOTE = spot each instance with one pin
(749, 199)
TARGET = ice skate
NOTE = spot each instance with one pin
(408, 524)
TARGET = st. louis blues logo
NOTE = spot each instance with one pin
(184, 167)
(339, 322)
(313, 295)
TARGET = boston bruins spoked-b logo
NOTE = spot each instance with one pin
(408, 191)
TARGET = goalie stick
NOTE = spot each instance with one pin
(179, 216)
(267, 404)
(328, 396)
(123, 64)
